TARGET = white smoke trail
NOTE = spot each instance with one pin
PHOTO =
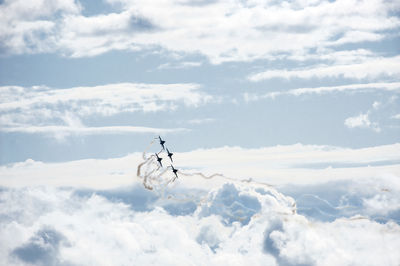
(162, 181)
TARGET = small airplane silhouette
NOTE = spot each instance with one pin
(159, 159)
(175, 172)
(170, 155)
(162, 143)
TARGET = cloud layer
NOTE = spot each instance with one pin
(292, 164)
(235, 224)
(369, 68)
(351, 88)
(221, 30)
(99, 212)
(60, 111)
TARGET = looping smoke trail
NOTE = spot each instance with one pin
(147, 148)
(162, 181)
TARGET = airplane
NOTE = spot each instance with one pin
(170, 155)
(158, 159)
(162, 143)
(174, 170)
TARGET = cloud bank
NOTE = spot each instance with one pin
(221, 30)
(278, 165)
(234, 224)
(98, 211)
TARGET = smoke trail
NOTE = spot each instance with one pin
(152, 174)
(162, 181)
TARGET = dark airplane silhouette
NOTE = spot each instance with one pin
(170, 155)
(158, 159)
(174, 170)
(162, 143)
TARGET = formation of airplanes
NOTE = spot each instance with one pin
(169, 154)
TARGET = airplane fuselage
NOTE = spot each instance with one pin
(159, 159)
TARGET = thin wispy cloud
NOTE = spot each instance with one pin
(370, 69)
(105, 99)
(366, 87)
(60, 132)
(179, 65)
(201, 121)
(60, 111)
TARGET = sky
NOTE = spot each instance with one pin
(84, 80)
(283, 117)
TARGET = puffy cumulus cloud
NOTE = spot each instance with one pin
(201, 219)
(221, 30)
(233, 223)
(90, 36)
(32, 26)
(361, 121)
(59, 112)
(86, 228)
(374, 197)
(238, 206)
(41, 249)
(300, 242)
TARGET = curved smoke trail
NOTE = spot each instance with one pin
(162, 181)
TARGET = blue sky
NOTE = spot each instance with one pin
(283, 117)
(246, 59)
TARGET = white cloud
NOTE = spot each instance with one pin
(179, 65)
(382, 203)
(32, 26)
(396, 116)
(361, 121)
(369, 69)
(59, 111)
(358, 36)
(105, 99)
(221, 30)
(385, 86)
(376, 105)
(329, 55)
(60, 132)
(233, 223)
(88, 211)
(201, 121)
(293, 164)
